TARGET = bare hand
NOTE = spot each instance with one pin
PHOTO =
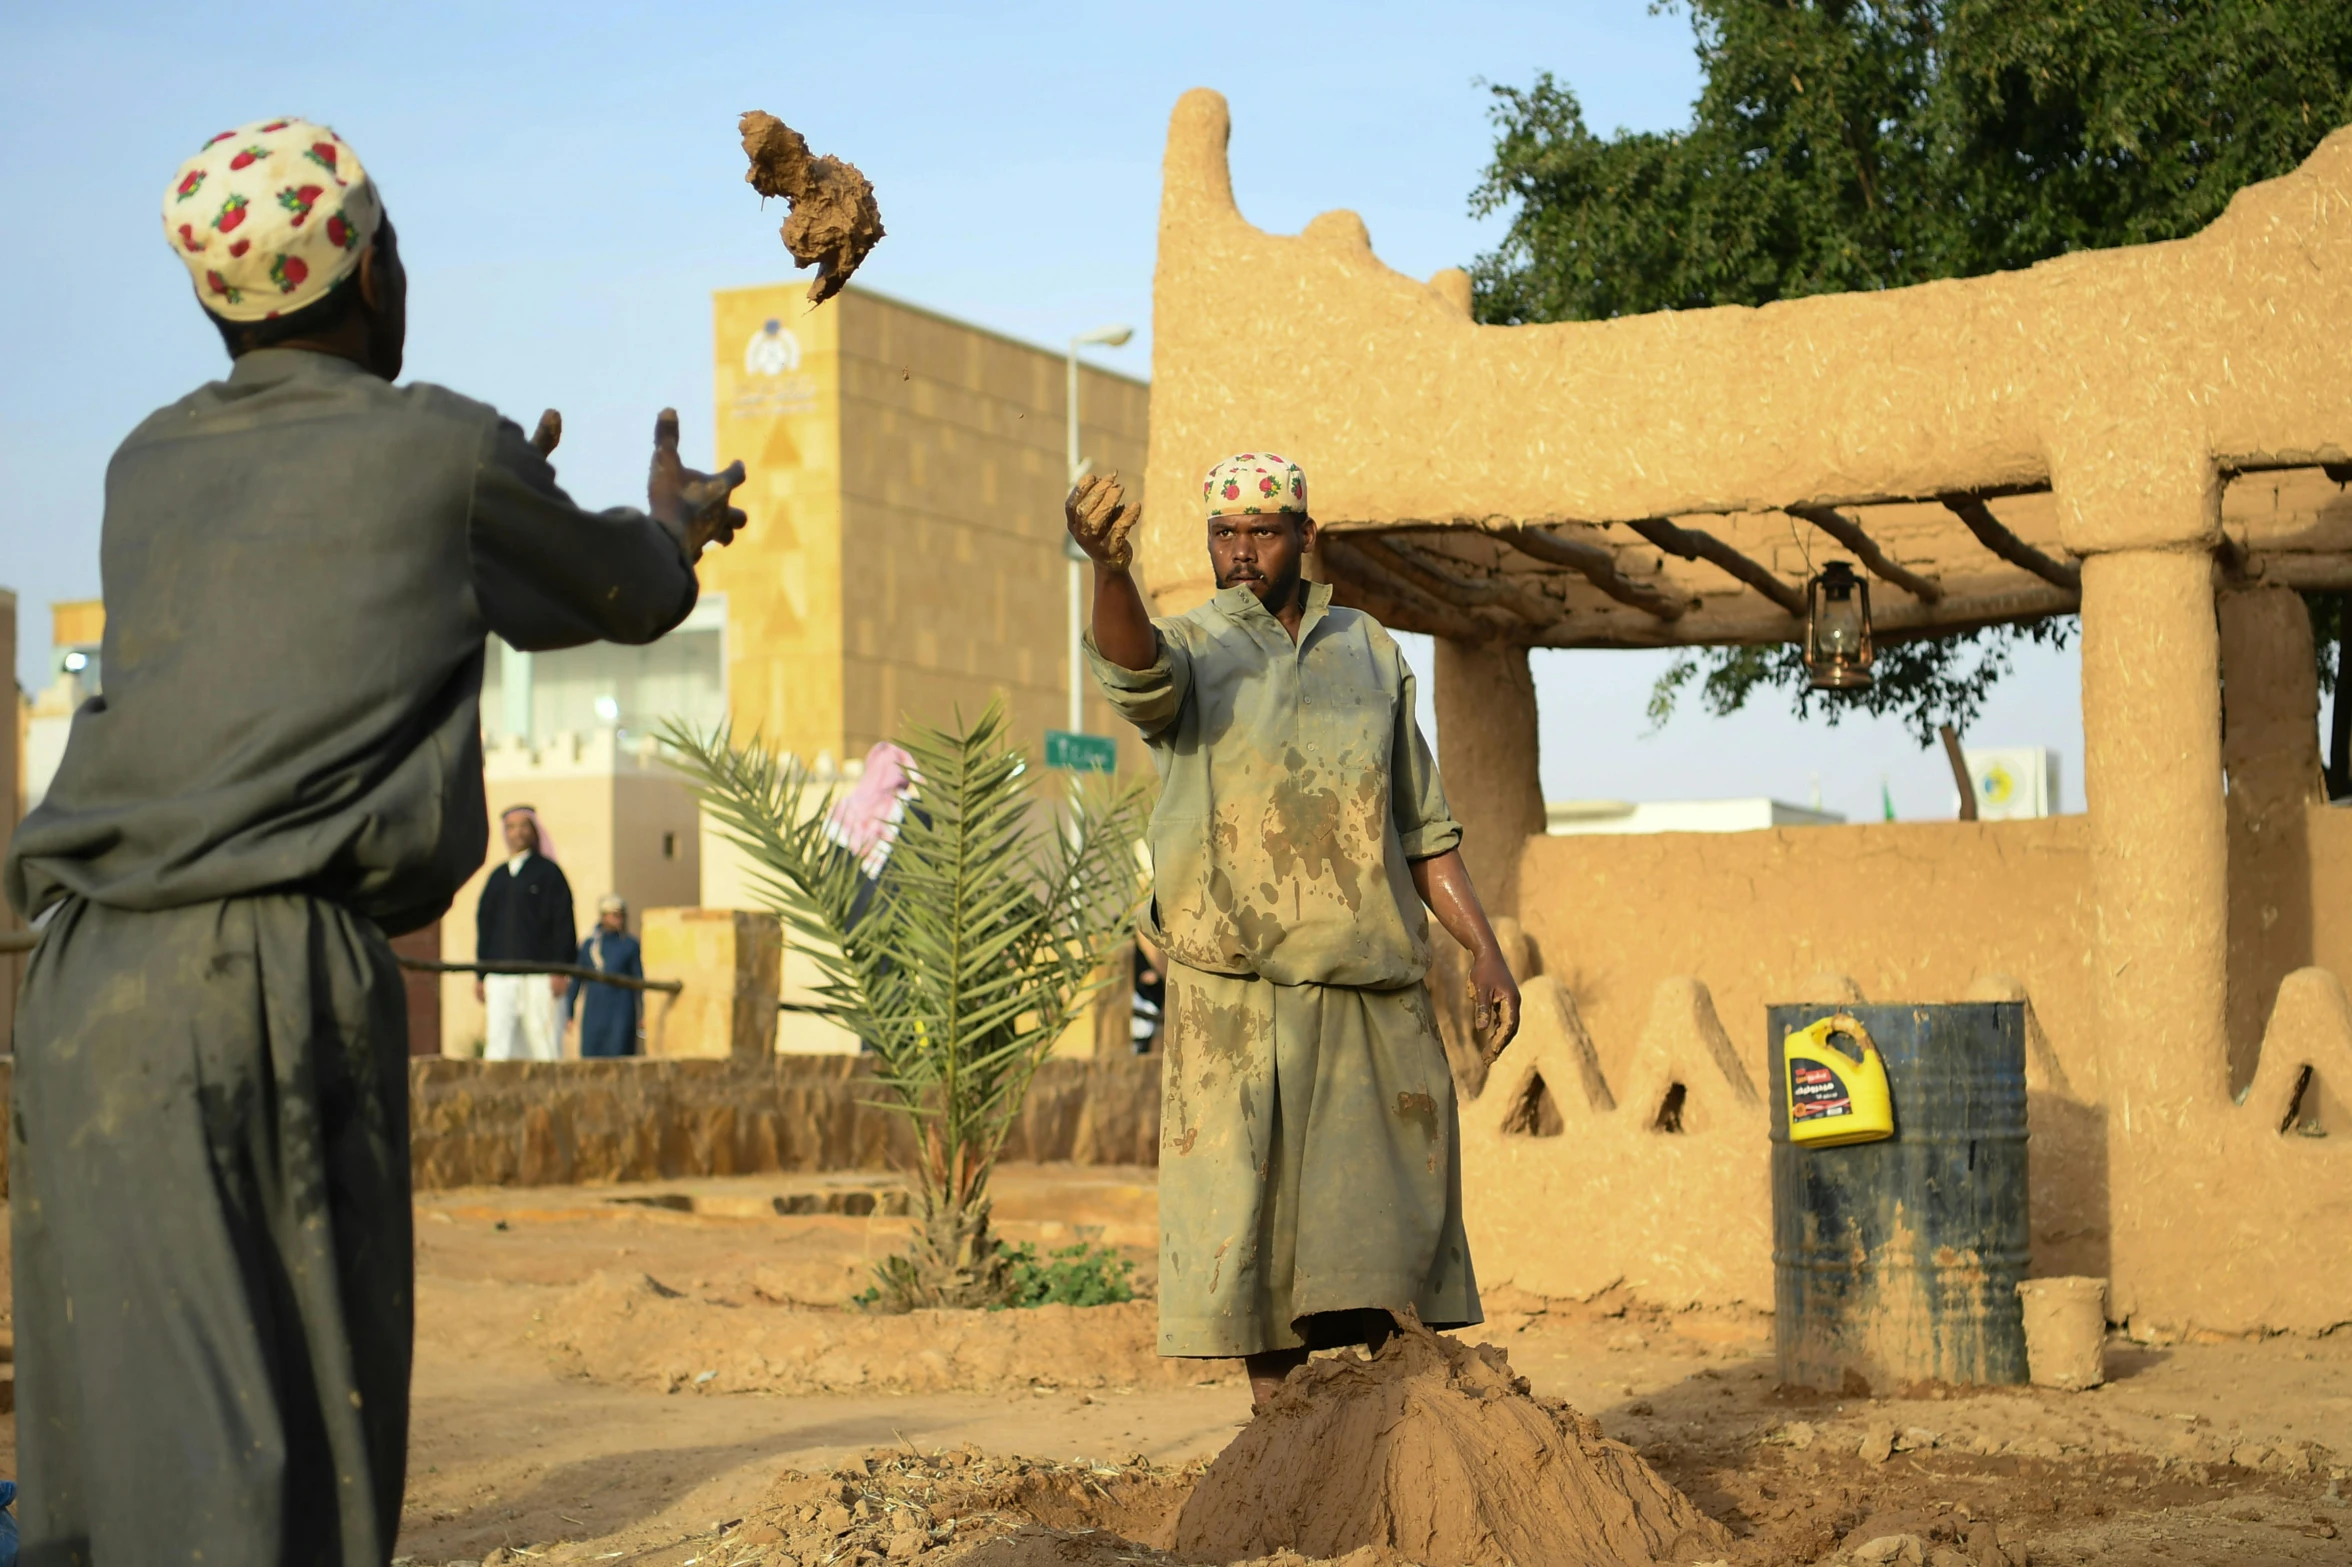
(1101, 518)
(1494, 1004)
(549, 434)
(481, 991)
(556, 984)
(693, 506)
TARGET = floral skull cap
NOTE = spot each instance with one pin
(1255, 482)
(269, 217)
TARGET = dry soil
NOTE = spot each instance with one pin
(525, 1441)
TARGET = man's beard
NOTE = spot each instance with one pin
(1276, 593)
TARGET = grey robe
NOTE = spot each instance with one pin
(209, 1144)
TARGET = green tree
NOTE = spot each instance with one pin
(1840, 145)
(958, 966)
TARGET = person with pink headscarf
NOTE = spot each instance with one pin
(525, 914)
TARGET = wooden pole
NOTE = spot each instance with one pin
(1967, 785)
(519, 966)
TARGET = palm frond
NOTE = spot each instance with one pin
(963, 961)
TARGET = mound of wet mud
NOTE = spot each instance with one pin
(631, 1328)
(1434, 1449)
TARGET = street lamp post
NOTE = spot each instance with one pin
(1108, 337)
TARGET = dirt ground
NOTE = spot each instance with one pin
(623, 1374)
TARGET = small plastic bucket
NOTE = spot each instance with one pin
(2065, 1331)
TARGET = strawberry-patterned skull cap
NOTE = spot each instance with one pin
(1255, 482)
(270, 216)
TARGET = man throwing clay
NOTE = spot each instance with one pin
(1310, 1175)
(208, 1154)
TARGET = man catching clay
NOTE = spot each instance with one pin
(208, 1153)
(1310, 1173)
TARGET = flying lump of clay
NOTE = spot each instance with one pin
(834, 221)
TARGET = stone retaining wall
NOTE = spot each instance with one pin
(512, 1123)
(480, 1123)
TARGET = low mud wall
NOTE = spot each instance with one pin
(506, 1123)
(1624, 1138)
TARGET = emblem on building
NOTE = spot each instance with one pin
(773, 350)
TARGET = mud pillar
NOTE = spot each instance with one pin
(2270, 755)
(2151, 696)
(1487, 754)
(731, 963)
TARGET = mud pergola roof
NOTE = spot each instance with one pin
(1676, 478)
(1952, 564)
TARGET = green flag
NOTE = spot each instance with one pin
(1886, 798)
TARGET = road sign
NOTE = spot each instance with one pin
(1076, 753)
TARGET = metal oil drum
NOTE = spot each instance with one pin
(1895, 1263)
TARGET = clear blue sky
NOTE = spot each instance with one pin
(569, 191)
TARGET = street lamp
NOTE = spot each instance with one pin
(1108, 337)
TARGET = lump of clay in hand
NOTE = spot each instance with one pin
(834, 221)
(1436, 1449)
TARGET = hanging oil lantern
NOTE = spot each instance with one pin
(1838, 654)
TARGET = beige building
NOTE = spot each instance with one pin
(903, 560)
(905, 550)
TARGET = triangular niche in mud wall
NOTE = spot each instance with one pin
(1533, 1112)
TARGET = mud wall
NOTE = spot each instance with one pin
(480, 1123)
(1623, 1138)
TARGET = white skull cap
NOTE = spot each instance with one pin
(270, 216)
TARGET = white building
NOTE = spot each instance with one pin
(1564, 818)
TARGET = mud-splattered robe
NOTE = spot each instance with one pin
(1308, 1156)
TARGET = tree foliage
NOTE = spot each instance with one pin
(1840, 145)
(958, 966)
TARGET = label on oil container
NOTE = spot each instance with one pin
(1816, 1093)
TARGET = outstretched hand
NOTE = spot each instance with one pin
(1494, 1004)
(549, 434)
(1101, 518)
(693, 506)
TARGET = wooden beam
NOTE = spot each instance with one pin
(1431, 571)
(1598, 565)
(2307, 572)
(1989, 532)
(1746, 620)
(1429, 613)
(1691, 544)
(1849, 533)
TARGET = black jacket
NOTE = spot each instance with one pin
(526, 915)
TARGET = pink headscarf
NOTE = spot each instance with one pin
(546, 849)
(865, 820)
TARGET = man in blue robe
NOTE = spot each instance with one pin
(609, 1014)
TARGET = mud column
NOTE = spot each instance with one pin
(2270, 749)
(1487, 754)
(2151, 696)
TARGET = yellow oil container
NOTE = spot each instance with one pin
(1834, 1096)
